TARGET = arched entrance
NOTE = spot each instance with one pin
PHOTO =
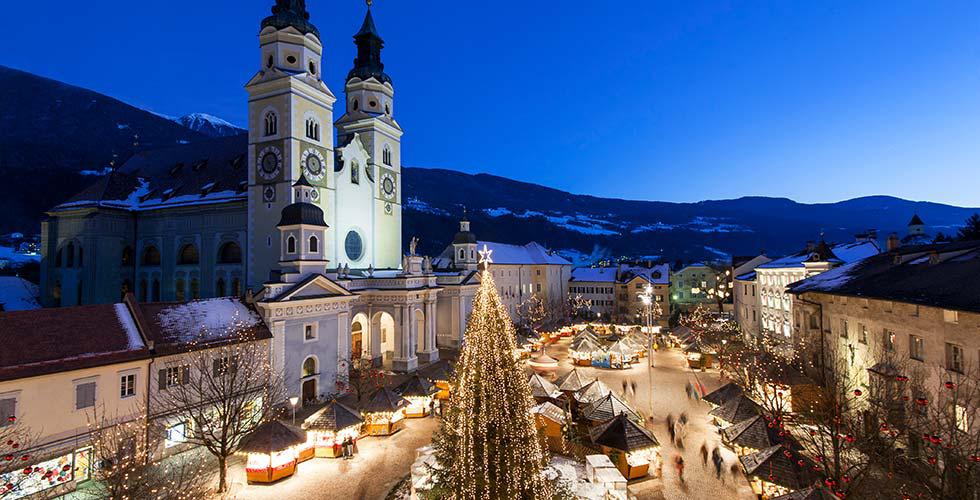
(360, 336)
(384, 324)
(420, 331)
(309, 377)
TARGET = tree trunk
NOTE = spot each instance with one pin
(222, 474)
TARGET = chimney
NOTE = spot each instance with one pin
(892, 242)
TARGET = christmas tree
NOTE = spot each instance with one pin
(488, 446)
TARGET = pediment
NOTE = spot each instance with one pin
(315, 286)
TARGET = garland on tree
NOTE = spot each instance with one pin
(488, 448)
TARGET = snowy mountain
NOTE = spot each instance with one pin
(209, 125)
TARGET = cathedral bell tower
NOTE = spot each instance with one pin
(369, 125)
(290, 110)
(302, 232)
(464, 247)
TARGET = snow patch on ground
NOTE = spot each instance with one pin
(209, 318)
(497, 212)
(421, 206)
(582, 259)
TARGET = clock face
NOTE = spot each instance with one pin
(388, 208)
(314, 165)
(269, 162)
(314, 195)
(269, 194)
(388, 186)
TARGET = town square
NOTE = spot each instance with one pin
(394, 250)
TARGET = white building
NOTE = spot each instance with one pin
(614, 292)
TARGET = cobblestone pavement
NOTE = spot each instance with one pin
(659, 392)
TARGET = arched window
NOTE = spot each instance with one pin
(151, 256)
(312, 129)
(462, 253)
(57, 258)
(290, 245)
(155, 289)
(386, 155)
(236, 287)
(219, 288)
(195, 288)
(355, 172)
(143, 290)
(188, 255)
(314, 244)
(271, 123)
(309, 366)
(70, 255)
(230, 253)
(127, 256)
(179, 291)
(354, 104)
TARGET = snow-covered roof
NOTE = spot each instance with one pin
(658, 274)
(594, 274)
(18, 294)
(201, 322)
(846, 252)
(531, 253)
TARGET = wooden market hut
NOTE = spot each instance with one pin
(330, 426)
(811, 493)
(551, 421)
(630, 446)
(777, 471)
(571, 382)
(735, 410)
(441, 376)
(698, 357)
(419, 393)
(542, 389)
(581, 351)
(722, 394)
(755, 434)
(589, 393)
(621, 355)
(384, 413)
(608, 407)
(271, 452)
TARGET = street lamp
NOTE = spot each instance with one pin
(647, 298)
(293, 401)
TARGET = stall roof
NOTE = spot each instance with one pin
(542, 388)
(551, 411)
(757, 432)
(623, 434)
(773, 462)
(333, 417)
(592, 391)
(384, 400)
(271, 437)
(737, 409)
(572, 381)
(416, 386)
(607, 407)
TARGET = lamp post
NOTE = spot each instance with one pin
(293, 401)
(647, 298)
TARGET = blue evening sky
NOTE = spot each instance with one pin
(677, 101)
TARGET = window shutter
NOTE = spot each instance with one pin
(162, 377)
(186, 370)
(8, 408)
(216, 366)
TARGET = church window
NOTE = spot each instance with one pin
(219, 288)
(291, 245)
(271, 123)
(70, 255)
(312, 68)
(230, 253)
(236, 286)
(353, 246)
(188, 255)
(195, 288)
(386, 155)
(127, 256)
(179, 291)
(462, 253)
(387, 109)
(156, 289)
(143, 290)
(354, 104)
(312, 129)
(355, 173)
(309, 366)
(373, 103)
(314, 245)
(472, 254)
(269, 62)
(291, 59)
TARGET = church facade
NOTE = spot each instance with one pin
(308, 229)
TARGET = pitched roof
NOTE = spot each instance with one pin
(941, 275)
(551, 411)
(531, 253)
(607, 407)
(737, 409)
(757, 432)
(333, 417)
(916, 221)
(723, 394)
(44, 341)
(416, 386)
(657, 275)
(845, 252)
(773, 462)
(623, 434)
(571, 381)
(271, 437)
(384, 400)
(595, 274)
(176, 326)
(591, 392)
(542, 388)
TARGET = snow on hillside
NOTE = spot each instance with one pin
(581, 223)
(209, 125)
(421, 206)
(699, 224)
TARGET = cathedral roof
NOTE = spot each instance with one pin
(291, 13)
(916, 221)
(302, 213)
(368, 63)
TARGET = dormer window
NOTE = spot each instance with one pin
(312, 129)
(271, 123)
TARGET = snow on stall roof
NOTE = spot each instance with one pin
(126, 320)
(208, 318)
(531, 253)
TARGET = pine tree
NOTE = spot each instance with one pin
(488, 446)
(971, 229)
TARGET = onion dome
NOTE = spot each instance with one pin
(291, 13)
(368, 63)
(302, 213)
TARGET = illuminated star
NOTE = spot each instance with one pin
(485, 256)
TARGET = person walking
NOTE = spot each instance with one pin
(704, 453)
(735, 470)
(679, 463)
(670, 426)
(716, 458)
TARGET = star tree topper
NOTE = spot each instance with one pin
(485, 256)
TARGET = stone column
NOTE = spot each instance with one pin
(343, 347)
(374, 338)
(431, 352)
(405, 360)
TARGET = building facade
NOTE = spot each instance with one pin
(614, 293)
(686, 280)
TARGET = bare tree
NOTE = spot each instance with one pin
(125, 470)
(229, 389)
(532, 312)
(17, 462)
(362, 376)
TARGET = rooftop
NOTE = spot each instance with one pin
(844, 252)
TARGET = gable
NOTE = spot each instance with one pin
(315, 286)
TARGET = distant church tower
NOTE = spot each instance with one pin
(290, 110)
(369, 140)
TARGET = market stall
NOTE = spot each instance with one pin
(722, 394)
(331, 426)
(589, 393)
(441, 376)
(542, 363)
(419, 393)
(735, 410)
(542, 389)
(384, 413)
(699, 358)
(571, 382)
(755, 434)
(271, 452)
(607, 407)
(621, 355)
(581, 349)
(632, 448)
(776, 471)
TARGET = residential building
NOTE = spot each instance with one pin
(746, 303)
(687, 285)
(913, 306)
(614, 292)
(772, 278)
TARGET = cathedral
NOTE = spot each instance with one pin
(309, 230)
